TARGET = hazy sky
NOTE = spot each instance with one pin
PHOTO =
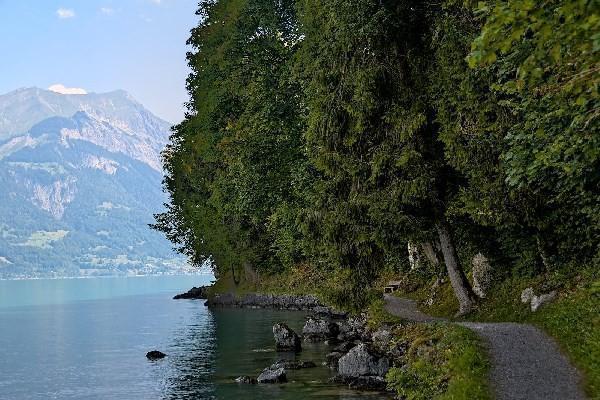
(99, 45)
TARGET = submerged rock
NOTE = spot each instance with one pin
(292, 364)
(155, 355)
(245, 379)
(369, 382)
(285, 338)
(272, 376)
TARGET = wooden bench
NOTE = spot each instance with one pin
(392, 286)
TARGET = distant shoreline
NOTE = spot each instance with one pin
(103, 277)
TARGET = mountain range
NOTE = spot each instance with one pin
(80, 180)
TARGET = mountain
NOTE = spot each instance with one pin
(80, 180)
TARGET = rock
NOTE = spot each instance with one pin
(155, 355)
(332, 359)
(222, 300)
(368, 383)
(538, 301)
(381, 339)
(194, 293)
(353, 328)
(482, 275)
(344, 347)
(285, 338)
(527, 295)
(318, 330)
(245, 379)
(328, 312)
(272, 376)
(292, 364)
(362, 360)
(256, 300)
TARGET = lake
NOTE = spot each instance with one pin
(87, 339)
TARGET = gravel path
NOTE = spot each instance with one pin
(526, 363)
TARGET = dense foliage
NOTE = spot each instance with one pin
(332, 133)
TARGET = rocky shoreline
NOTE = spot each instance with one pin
(361, 357)
(307, 303)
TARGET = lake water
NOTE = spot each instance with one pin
(87, 339)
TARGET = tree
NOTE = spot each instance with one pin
(372, 134)
(230, 163)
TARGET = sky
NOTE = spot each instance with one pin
(100, 46)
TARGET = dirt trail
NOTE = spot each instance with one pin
(526, 363)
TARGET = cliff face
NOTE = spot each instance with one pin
(79, 191)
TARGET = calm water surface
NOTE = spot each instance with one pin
(87, 339)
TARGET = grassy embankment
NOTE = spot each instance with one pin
(442, 361)
(573, 320)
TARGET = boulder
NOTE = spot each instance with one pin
(285, 338)
(292, 364)
(353, 328)
(538, 301)
(482, 275)
(155, 355)
(272, 376)
(362, 361)
(318, 330)
(527, 295)
(245, 379)
(382, 339)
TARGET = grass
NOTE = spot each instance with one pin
(573, 320)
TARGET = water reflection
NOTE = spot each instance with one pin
(190, 371)
(244, 346)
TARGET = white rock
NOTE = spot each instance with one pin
(527, 295)
(538, 301)
(482, 275)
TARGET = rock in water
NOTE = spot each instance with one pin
(362, 361)
(245, 379)
(193, 293)
(482, 275)
(155, 355)
(291, 364)
(368, 383)
(318, 330)
(272, 376)
(285, 338)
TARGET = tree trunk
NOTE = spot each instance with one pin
(414, 258)
(458, 279)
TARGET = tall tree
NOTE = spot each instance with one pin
(373, 135)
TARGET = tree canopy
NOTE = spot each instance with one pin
(332, 133)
